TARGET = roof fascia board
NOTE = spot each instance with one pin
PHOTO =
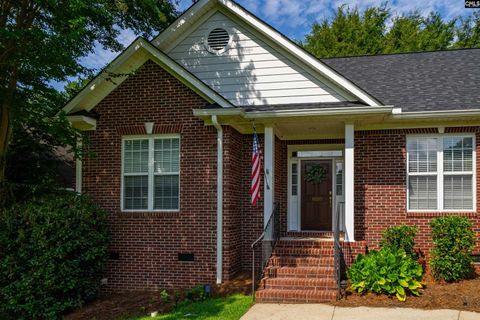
(160, 58)
(182, 22)
(170, 45)
(319, 112)
(294, 112)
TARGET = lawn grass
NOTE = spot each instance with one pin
(229, 308)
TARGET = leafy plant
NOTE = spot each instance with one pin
(196, 294)
(400, 237)
(453, 242)
(164, 296)
(53, 250)
(388, 271)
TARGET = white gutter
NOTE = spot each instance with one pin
(219, 198)
(437, 114)
(295, 112)
(317, 112)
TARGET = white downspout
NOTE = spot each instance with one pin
(219, 198)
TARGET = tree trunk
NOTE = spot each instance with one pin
(4, 139)
(8, 94)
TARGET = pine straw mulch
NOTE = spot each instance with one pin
(462, 295)
(130, 304)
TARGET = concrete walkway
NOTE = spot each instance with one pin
(264, 311)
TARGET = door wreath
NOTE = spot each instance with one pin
(315, 174)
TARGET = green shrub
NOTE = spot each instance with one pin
(387, 271)
(453, 242)
(400, 237)
(52, 254)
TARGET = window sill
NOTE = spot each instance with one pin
(431, 214)
(146, 213)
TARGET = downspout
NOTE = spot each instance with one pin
(219, 198)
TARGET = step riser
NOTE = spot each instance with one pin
(298, 284)
(295, 296)
(304, 252)
(300, 262)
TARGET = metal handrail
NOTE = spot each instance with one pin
(338, 249)
(268, 239)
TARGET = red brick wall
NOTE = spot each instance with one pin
(232, 202)
(252, 217)
(380, 187)
(148, 243)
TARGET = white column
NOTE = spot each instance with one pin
(349, 182)
(269, 165)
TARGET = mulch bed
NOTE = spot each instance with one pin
(136, 303)
(463, 295)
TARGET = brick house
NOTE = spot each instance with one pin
(367, 142)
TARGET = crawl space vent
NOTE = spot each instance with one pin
(218, 40)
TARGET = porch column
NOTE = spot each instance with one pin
(269, 165)
(349, 182)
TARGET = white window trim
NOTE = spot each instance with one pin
(439, 173)
(151, 174)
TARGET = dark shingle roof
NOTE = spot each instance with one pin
(424, 81)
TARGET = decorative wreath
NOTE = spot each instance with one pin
(315, 174)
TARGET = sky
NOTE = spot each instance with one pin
(294, 17)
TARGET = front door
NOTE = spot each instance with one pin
(316, 197)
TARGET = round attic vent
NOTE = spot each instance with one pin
(218, 40)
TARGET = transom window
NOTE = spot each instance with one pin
(440, 173)
(151, 174)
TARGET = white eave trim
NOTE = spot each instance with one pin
(437, 114)
(159, 57)
(82, 122)
(294, 112)
(318, 112)
(284, 43)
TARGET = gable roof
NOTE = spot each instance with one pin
(134, 56)
(291, 50)
(422, 81)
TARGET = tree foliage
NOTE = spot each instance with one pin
(376, 30)
(43, 40)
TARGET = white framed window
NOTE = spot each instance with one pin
(151, 173)
(440, 173)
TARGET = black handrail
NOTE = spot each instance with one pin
(268, 239)
(338, 252)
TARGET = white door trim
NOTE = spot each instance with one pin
(294, 218)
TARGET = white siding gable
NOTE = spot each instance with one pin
(250, 72)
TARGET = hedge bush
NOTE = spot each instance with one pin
(52, 253)
(453, 242)
(388, 271)
(400, 237)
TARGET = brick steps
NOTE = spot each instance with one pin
(315, 284)
(293, 261)
(295, 296)
(299, 271)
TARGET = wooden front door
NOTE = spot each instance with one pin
(316, 197)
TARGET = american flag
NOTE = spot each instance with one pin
(256, 155)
